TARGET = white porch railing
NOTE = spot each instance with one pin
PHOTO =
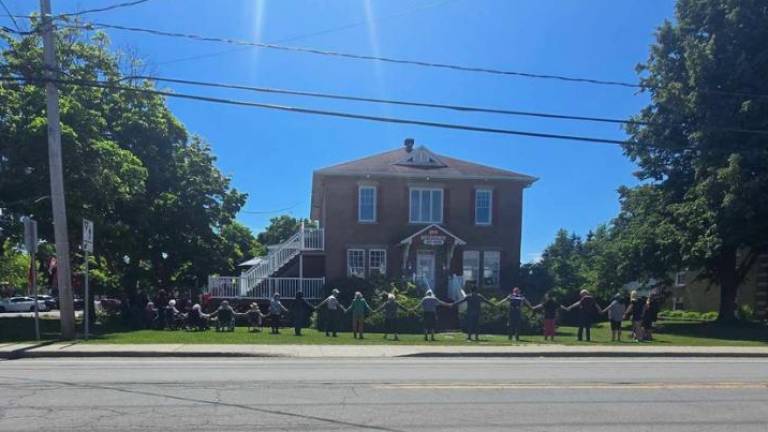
(234, 287)
(258, 282)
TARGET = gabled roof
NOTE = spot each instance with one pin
(410, 238)
(412, 163)
(421, 162)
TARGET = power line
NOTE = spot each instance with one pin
(565, 78)
(327, 113)
(268, 212)
(382, 101)
(96, 25)
(493, 71)
(10, 15)
(102, 9)
(460, 108)
(308, 35)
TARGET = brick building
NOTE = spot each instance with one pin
(407, 213)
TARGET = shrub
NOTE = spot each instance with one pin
(375, 290)
(746, 313)
(495, 320)
(687, 315)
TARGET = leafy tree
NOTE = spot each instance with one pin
(240, 244)
(281, 228)
(159, 203)
(14, 266)
(563, 261)
(703, 203)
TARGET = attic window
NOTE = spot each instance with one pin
(421, 157)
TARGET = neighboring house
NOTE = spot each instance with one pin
(407, 214)
(690, 291)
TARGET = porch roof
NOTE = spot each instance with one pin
(410, 238)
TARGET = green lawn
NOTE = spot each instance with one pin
(670, 333)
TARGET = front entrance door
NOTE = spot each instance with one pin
(425, 270)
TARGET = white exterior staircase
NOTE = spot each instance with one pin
(259, 282)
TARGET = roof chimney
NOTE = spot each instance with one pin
(409, 144)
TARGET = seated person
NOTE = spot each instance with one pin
(225, 317)
(196, 319)
(255, 317)
(173, 318)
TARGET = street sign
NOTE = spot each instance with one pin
(87, 235)
(30, 235)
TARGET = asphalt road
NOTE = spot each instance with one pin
(385, 395)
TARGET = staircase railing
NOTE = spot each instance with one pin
(303, 239)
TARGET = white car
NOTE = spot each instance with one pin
(21, 304)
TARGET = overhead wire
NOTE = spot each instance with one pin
(453, 107)
(327, 113)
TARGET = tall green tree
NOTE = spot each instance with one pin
(281, 228)
(159, 203)
(703, 203)
(14, 266)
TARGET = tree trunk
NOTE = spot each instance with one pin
(729, 285)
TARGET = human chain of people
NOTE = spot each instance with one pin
(642, 312)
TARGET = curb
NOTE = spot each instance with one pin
(31, 354)
(22, 354)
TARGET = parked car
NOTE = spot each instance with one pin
(50, 302)
(110, 305)
(21, 304)
(78, 303)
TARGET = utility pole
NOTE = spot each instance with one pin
(66, 307)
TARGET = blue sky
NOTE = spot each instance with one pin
(271, 155)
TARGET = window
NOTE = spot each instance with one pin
(426, 205)
(483, 206)
(366, 204)
(356, 262)
(377, 261)
(491, 268)
(680, 279)
(471, 261)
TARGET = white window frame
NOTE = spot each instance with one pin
(382, 267)
(350, 271)
(498, 270)
(422, 190)
(360, 204)
(490, 206)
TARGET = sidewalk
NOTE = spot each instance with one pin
(76, 349)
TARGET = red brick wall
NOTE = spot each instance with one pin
(343, 231)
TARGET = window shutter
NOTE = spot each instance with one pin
(495, 213)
